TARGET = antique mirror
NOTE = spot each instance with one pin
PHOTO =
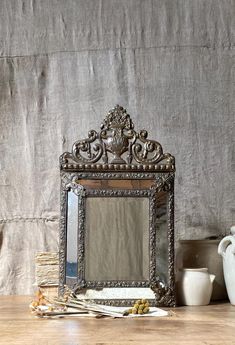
(117, 216)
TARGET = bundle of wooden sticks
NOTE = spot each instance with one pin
(70, 304)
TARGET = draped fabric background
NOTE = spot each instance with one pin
(64, 64)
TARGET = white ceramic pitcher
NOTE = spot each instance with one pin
(196, 286)
(227, 250)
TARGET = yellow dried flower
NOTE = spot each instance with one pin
(141, 306)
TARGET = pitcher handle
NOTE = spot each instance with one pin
(224, 244)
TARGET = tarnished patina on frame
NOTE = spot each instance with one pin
(117, 146)
(117, 137)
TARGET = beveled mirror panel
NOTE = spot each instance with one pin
(117, 216)
(72, 238)
(162, 244)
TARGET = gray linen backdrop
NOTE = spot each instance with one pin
(64, 64)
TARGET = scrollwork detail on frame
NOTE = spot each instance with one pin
(83, 151)
(117, 136)
(164, 295)
(69, 182)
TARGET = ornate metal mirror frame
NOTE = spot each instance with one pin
(119, 154)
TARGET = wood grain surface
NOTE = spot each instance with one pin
(208, 325)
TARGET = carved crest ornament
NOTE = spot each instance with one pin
(117, 146)
(117, 151)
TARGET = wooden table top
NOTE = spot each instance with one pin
(208, 325)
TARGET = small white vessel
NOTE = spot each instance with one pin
(196, 286)
(227, 250)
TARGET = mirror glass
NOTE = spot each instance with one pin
(72, 228)
(117, 238)
(162, 236)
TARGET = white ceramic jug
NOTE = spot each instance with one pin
(196, 286)
(227, 250)
(204, 253)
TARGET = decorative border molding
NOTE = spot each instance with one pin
(62, 238)
(122, 302)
